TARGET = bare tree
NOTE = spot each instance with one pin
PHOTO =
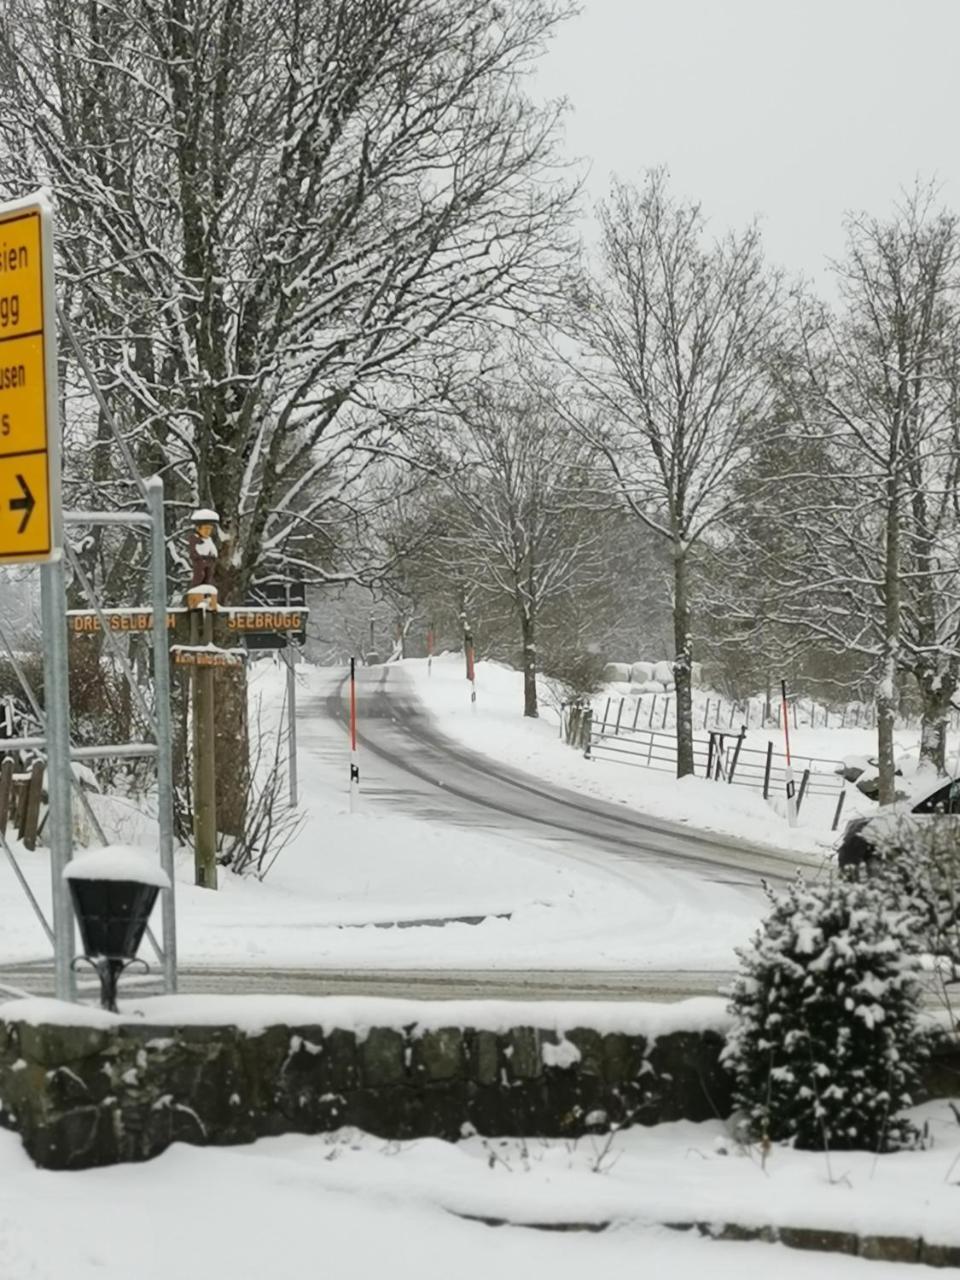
(278, 221)
(520, 524)
(878, 572)
(676, 332)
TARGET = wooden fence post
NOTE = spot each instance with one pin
(803, 788)
(33, 793)
(766, 772)
(839, 809)
(6, 789)
(736, 752)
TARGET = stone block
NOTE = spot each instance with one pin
(623, 1057)
(439, 1055)
(590, 1044)
(890, 1248)
(81, 1138)
(820, 1241)
(484, 1057)
(940, 1255)
(382, 1057)
(52, 1044)
(521, 1053)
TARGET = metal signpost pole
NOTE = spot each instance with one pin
(31, 516)
(60, 816)
(162, 722)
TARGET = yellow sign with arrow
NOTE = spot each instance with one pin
(30, 516)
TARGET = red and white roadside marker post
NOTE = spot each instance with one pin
(788, 772)
(354, 758)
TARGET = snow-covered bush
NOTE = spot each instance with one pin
(919, 860)
(828, 1044)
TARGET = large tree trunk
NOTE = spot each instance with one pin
(527, 628)
(937, 689)
(683, 661)
(232, 750)
(232, 723)
(887, 697)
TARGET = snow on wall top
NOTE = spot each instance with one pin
(118, 862)
(254, 1014)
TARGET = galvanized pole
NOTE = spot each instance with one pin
(162, 722)
(290, 655)
(56, 679)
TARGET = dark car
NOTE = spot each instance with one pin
(939, 802)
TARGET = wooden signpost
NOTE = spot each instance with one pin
(204, 635)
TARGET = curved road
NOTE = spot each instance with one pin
(410, 765)
(418, 769)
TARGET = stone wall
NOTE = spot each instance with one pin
(83, 1095)
(84, 1088)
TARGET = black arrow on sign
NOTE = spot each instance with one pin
(24, 504)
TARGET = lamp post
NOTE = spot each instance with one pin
(113, 892)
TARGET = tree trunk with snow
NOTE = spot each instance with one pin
(677, 332)
(937, 690)
(528, 632)
(887, 697)
(683, 662)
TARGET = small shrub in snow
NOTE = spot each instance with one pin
(571, 675)
(919, 860)
(827, 1046)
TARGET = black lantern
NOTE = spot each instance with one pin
(113, 892)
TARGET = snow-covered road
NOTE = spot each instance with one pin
(409, 763)
(524, 876)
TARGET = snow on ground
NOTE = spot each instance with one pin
(255, 1014)
(495, 726)
(355, 1207)
(344, 871)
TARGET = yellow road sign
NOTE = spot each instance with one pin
(30, 514)
(24, 506)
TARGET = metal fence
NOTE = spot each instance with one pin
(619, 734)
(658, 710)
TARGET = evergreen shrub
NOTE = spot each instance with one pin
(828, 1042)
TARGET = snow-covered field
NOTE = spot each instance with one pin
(495, 726)
(345, 871)
(353, 1206)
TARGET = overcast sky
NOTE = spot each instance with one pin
(793, 110)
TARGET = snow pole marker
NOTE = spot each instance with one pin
(472, 677)
(788, 772)
(354, 765)
(430, 652)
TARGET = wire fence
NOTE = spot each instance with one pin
(618, 734)
(658, 710)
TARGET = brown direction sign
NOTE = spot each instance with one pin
(29, 440)
(202, 656)
(87, 621)
(265, 619)
(235, 621)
